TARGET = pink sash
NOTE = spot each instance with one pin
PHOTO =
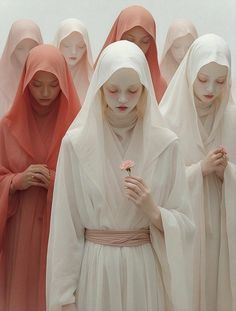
(118, 238)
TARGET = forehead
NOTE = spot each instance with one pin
(124, 77)
(44, 76)
(182, 41)
(213, 70)
(137, 31)
(26, 43)
(73, 37)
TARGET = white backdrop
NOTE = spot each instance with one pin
(98, 15)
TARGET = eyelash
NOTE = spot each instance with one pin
(218, 82)
(34, 85)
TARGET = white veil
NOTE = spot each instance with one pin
(177, 105)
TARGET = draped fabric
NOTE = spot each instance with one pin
(138, 16)
(30, 134)
(202, 129)
(89, 194)
(180, 28)
(10, 68)
(83, 70)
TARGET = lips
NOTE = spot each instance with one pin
(209, 96)
(122, 108)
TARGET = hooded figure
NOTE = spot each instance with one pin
(199, 108)
(180, 36)
(30, 137)
(107, 250)
(23, 36)
(133, 17)
(73, 41)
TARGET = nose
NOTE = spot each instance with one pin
(45, 92)
(73, 49)
(122, 99)
(210, 88)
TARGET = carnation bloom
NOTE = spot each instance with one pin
(126, 165)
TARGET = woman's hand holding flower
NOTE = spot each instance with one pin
(137, 191)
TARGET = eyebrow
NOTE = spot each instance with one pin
(36, 80)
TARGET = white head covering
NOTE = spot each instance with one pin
(178, 29)
(83, 70)
(88, 127)
(10, 68)
(178, 105)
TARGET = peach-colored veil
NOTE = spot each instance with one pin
(178, 29)
(138, 16)
(10, 68)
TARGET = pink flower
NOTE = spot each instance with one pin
(126, 165)
(223, 150)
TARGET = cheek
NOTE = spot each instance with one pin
(34, 92)
(134, 98)
(81, 52)
(198, 88)
(110, 98)
(55, 92)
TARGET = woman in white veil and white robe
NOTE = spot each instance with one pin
(199, 109)
(120, 243)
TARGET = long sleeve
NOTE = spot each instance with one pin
(66, 239)
(174, 247)
(229, 199)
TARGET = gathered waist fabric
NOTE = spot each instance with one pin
(118, 238)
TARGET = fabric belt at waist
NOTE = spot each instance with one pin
(118, 238)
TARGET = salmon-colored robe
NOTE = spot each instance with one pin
(30, 134)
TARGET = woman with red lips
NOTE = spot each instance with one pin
(30, 138)
(136, 24)
(73, 41)
(115, 239)
(199, 108)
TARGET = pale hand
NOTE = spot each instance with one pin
(215, 162)
(137, 191)
(35, 175)
(221, 167)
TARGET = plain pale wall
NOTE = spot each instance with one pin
(98, 15)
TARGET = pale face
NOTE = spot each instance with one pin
(210, 82)
(180, 47)
(139, 36)
(122, 91)
(44, 87)
(73, 48)
(22, 50)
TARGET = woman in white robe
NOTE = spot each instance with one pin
(199, 108)
(90, 267)
(73, 41)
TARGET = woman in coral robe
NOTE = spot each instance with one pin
(199, 108)
(23, 36)
(116, 242)
(136, 24)
(30, 138)
(73, 41)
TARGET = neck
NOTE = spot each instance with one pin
(118, 120)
